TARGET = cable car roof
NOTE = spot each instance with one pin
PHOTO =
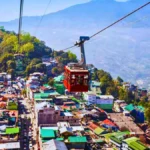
(76, 69)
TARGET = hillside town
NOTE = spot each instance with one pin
(35, 115)
(51, 100)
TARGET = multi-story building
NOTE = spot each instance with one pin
(5, 79)
(50, 116)
(90, 97)
(95, 87)
(102, 101)
(105, 101)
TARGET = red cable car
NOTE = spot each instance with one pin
(76, 75)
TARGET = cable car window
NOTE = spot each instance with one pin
(86, 77)
(72, 82)
(79, 80)
(85, 82)
(73, 77)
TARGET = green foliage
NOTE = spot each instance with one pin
(35, 61)
(51, 82)
(25, 38)
(123, 94)
(64, 57)
(11, 64)
(72, 57)
(4, 61)
(27, 48)
(112, 90)
(55, 71)
(9, 43)
(11, 72)
(40, 68)
(105, 79)
(35, 66)
(30, 46)
(120, 80)
(23, 92)
(147, 112)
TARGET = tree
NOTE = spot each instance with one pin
(9, 43)
(41, 68)
(35, 61)
(3, 61)
(120, 80)
(11, 64)
(27, 48)
(147, 113)
(54, 71)
(23, 92)
(12, 73)
(123, 94)
(112, 90)
(51, 82)
(105, 80)
(72, 57)
(144, 98)
(25, 38)
(29, 69)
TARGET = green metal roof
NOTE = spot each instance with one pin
(96, 83)
(134, 143)
(59, 78)
(59, 139)
(132, 139)
(46, 85)
(41, 96)
(129, 107)
(47, 133)
(137, 146)
(77, 139)
(12, 130)
(140, 108)
(98, 131)
(113, 138)
(37, 96)
(43, 141)
(116, 134)
(105, 106)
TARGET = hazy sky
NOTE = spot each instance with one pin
(10, 8)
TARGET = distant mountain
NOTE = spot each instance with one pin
(122, 50)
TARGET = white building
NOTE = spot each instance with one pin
(105, 101)
(102, 101)
(90, 97)
(95, 87)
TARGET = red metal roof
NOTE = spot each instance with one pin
(93, 126)
(108, 122)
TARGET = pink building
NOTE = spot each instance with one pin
(50, 116)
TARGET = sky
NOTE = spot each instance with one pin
(10, 8)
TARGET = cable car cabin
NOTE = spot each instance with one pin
(76, 78)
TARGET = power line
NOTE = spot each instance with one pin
(20, 21)
(37, 27)
(68, 48)
(129, 24)
(120, 19)
(112, 24)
